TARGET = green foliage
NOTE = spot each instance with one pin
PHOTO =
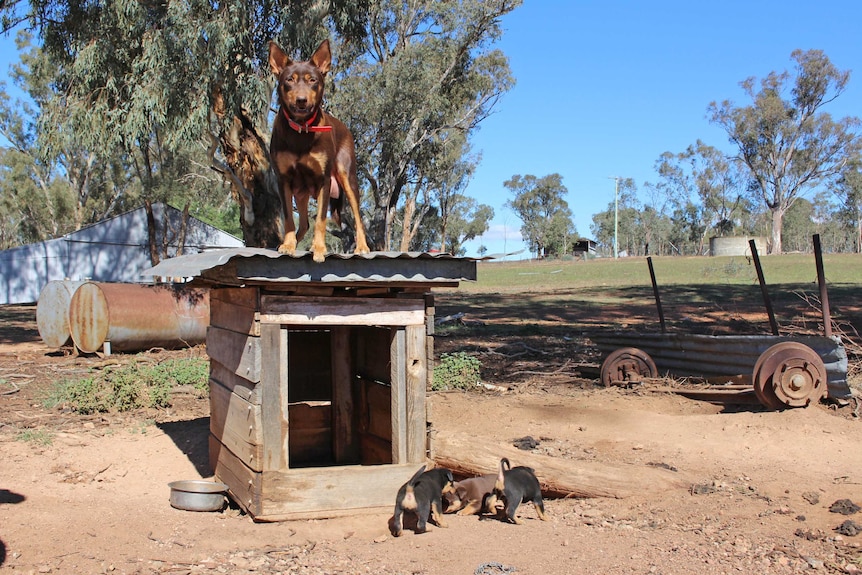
(546, 220)
(457, 370)
(132, 386)
(788, 144)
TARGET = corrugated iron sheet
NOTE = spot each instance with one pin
(265, 265)
(696, 355)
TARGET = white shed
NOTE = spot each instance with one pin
(113, 250)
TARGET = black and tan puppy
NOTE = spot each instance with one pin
(516, 485)
(470, 496)
(423, 495)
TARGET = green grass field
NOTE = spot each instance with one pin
(843, 269)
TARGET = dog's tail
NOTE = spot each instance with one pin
(501, 478)
(416, 476)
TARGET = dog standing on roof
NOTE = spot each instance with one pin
(312, 153)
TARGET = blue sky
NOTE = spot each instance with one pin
(603, 88)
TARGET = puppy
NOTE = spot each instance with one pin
(423, 495)
(515, 486)
(471, 495)
(313, 154)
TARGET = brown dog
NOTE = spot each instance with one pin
(312, 153)
(516, 485)
(471, 495)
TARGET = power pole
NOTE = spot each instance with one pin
(616, 180)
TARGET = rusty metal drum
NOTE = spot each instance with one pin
(135, 317)
(52, 312)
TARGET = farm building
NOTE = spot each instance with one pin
(113, 250)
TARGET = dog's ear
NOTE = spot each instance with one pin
(322, 57)
(277, 58)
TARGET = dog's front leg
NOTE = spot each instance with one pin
(288, 244)
(318, 243)
(346, 178)
(302, 210)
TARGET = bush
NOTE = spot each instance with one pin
(131, 386)
(456, 371)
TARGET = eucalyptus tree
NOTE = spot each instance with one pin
(143, 81)
(847, 188)
(138, 75)
(705, 188)
(618, 224)
(426, 79)
(540, 203)
(784, 138)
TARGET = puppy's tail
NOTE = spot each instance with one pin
(416, 476)
(501, 478)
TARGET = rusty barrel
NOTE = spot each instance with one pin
(135, 317)
(52, 312)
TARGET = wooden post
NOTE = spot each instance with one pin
(273, 397)
(416, 368)
(343, 436)
(398, 389)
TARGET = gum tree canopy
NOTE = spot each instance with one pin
(408, 77)
(786, 140)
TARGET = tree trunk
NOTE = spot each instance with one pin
(252, 182)
(777, 219)
(468, 455)
(151, 233)
(407, 225)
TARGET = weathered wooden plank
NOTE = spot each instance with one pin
(398, 391)
(320, 311)
(343, 405)
(243, 483)
(310, 441)
(322, 492)
(372, 352)
(238, 385)
(238, 352)
(416, 372)
(274, 397)
(245, 297)
(559, 477)
(237, 424)
(377, 409)
(374, 450)
(234, 317)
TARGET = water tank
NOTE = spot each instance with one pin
(736, 245)
(52, 312)
(135, 317)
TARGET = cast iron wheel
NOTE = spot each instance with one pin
(789, 374)
(627, 365)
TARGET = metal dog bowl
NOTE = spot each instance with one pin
(197, 495)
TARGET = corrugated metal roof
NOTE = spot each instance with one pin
(243, 265)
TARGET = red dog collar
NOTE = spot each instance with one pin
(306, 127)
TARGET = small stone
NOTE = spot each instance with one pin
(381, 538)
(811, 497)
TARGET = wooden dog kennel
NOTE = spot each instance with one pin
(318, 374)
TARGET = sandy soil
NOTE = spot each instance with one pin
(754, 492)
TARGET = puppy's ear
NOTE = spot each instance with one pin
(322, 57)
(277, 58)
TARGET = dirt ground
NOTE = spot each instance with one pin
(757, 491)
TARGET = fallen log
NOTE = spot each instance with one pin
(469, 456)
